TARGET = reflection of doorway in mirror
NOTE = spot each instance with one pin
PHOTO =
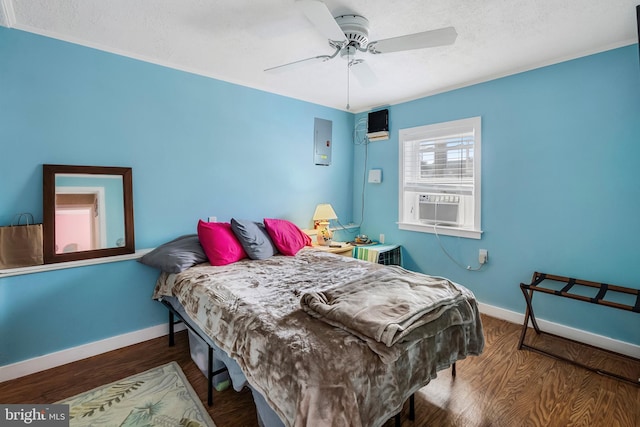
(79, 219)
(75, 229)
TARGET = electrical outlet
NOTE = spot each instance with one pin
(213, 219)
(381, 238)
(483, 256)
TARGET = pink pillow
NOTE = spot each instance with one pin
(287, 237)
(219, 243)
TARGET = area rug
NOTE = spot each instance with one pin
(161, 396)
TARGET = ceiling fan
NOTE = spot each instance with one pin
(348, 35)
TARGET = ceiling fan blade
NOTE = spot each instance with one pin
(363, 73)
(318, 13)
(433, 38)
(299, 63)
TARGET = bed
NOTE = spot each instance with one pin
(323, 339)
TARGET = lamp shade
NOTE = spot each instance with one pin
(324, 211)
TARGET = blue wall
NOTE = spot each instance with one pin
(560, 172)
(560, 186)
(198, 147)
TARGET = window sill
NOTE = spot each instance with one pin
(71, 264)
(442, 230)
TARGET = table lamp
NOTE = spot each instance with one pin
(324, 212)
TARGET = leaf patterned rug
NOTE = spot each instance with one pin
(161, 396)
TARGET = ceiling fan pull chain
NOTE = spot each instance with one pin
(348, 75)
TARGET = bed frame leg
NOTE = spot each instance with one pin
(412, 411)
(453, 370)
(210, 377)
(412, 407)
(210, 372)
(172, 341)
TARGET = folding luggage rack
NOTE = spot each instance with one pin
(538, 279)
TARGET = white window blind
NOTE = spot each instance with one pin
(440, 164)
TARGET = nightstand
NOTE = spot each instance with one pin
(346, 250)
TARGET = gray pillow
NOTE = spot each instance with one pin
(254, 238)
(177, 255)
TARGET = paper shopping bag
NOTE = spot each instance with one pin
(21, 244)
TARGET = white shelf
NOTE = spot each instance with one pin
(71, 264)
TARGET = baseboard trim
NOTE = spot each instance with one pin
(51, 360)
(59, 358)
(590, 338)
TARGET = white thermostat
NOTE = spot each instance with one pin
(375, 176)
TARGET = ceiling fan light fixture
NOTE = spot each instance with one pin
(348, 53)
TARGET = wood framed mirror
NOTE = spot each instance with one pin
(87, 212)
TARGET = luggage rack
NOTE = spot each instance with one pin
(603, 288)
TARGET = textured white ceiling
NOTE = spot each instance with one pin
(235, 40)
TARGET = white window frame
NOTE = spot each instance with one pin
(472, 228)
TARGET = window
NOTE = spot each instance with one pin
(440, 178)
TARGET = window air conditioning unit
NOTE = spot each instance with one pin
(439, 209)
(378, 125)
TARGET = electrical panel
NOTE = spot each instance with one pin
(322, 135)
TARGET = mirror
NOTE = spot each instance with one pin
(88, 212)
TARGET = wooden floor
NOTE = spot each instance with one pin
(503, 387)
